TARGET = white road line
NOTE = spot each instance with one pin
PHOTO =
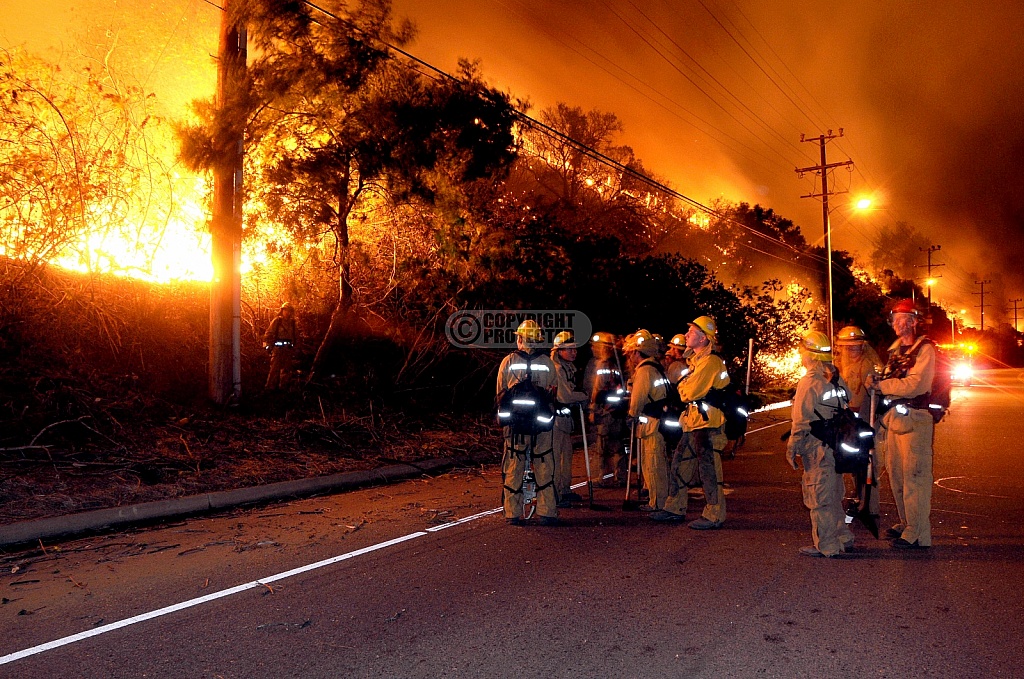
(81, 636)
(49, 646)
(768, 426)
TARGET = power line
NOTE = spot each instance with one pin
(715, 80)
(755, 62)
(780, 60)
(594, 153)
(668, 98)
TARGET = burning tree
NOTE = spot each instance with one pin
(336, 124)
(81, 170)
(572, 169)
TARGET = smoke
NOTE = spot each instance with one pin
(713, 94)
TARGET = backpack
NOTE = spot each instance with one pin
(939, 396)
(668, 410)
(850, 438)
(936, 401)
(526, 408)
(735, 405)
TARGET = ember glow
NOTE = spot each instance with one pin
(177, 251)
(781, 368)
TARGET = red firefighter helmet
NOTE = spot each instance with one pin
(903, 306)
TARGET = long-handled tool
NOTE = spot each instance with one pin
(864, 514)
(529, 485)
(586, 457)
(628, 504)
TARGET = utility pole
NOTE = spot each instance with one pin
(1014, 302)
(225, 371)
(928, 281)
(982, 305)
(823, 168)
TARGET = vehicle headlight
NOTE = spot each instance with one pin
(962, 371)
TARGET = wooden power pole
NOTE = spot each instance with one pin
(225, 370)
(982, 305)
(823, 168)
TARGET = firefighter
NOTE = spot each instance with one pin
(822, 486)
(513, 369)
(280, 340)
(695, 457)
(855, 360)
(562, 356)
(649, 385)
(662, 353)
(908, 427)
(603, 382)
(675, 356)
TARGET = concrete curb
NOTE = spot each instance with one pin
(119, 517)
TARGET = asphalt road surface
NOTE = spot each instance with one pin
(387, 582)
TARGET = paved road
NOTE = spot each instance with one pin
(609, 594)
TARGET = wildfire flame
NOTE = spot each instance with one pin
(783, 368)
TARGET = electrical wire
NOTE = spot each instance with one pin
(593, 153)
(640, 80)
(789, 141)
(693, 82)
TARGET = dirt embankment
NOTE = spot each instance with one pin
(73, 450)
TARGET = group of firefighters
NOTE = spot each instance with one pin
(617, 397)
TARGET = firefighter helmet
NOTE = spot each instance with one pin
(605, 338)
(707, 325)
(530, 331)
(660, 343)
(850, 336)
(903, 306)
(642, 342)
(565, 340)
(817, 345)
(678, 340)
(288, 306)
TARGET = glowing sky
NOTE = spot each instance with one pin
(714, 95)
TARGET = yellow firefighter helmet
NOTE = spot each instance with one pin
(817, 345)
(530, 331)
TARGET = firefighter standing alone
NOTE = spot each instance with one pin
(280, 340)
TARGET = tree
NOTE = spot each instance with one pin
(898, 249)
(565, 171)
(333, 117)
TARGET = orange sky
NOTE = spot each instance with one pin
(714, 95)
